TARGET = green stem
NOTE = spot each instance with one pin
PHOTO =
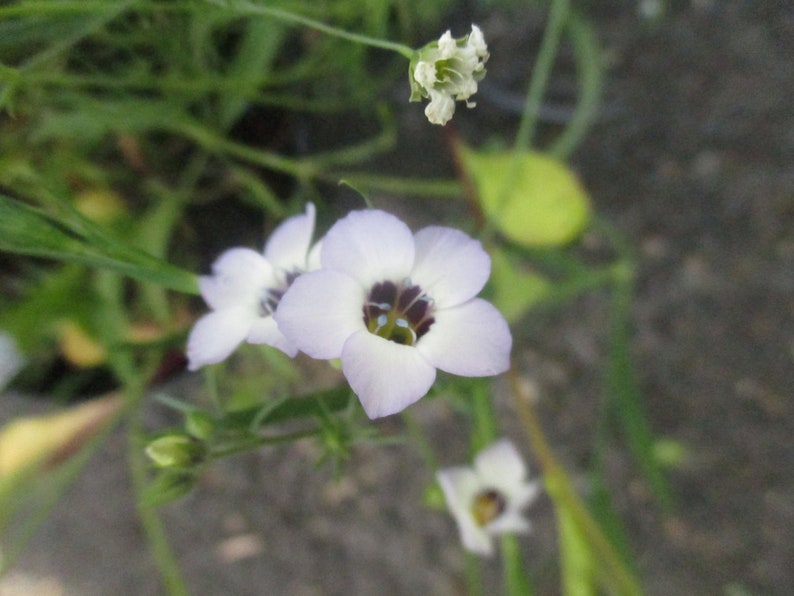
(416, 187)
(218, 144)
(532, 105)
(420, 440)
(242, 7)
(565, 291)
(485, 430)
(590, 72)
(48, 7)
(254, 443)
(133, 374)
(541, 74)
(560, 489)
(576, 560)
(516, 583)
(156, 536)
(473, 574)
(212, 386)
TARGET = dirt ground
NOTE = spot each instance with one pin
(692, 160)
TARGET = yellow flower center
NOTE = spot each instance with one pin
(487, 506)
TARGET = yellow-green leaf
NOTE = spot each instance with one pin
(533, 199)
(515, 290)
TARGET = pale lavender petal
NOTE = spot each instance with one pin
(313, 260)
(449, 266)
(471, 340)
(265, 331)
(289, 243)
(320, 311)
(370, 246)
(239, 276)
(386, 376)
(216, 335)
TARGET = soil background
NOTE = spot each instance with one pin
(692, 160)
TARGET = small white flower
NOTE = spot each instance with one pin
(244, 290)
(488, 499)
(446, 71)
(396, 306)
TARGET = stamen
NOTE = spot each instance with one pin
(399, 313)
(270, 298)
(382, 320)
(380, 305)
(487, 506)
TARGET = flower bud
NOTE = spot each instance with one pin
(175, 451)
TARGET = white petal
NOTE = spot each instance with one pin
(425, 74)
(265, 331)
(441, 107)
(320, 310)
(449, 265)
(476, 41)
(476, 540)
(460, 485)
(471, 340)
(289, 243)
(238, 277)
(447, 45)
(386, 376)
(499, 461)
(500, 465)
(524, 495)
(509, 521)
(216, 335)
(370, 246)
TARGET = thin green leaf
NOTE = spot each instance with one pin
(516, 581)
(606, 516)
(576, 558)
(590, 74)
(258, 50)
(28, 231)
(622, 387)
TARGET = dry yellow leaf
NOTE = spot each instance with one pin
(77, 347)
(52, 438)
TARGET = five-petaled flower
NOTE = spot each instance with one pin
(448, 70)
(487, 499)
(244, 290)
(395, 307)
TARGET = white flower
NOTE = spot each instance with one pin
(448, 70)
(395, 307)
(244, 290)
(487, 499)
